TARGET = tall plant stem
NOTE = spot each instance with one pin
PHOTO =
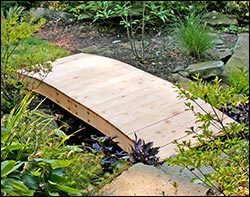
(143, 31)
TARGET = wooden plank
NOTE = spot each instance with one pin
(114, 91)
(170, 149)
(119, 108)
(90, 82)
(83, 72)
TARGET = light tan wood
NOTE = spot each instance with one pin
(119, 99)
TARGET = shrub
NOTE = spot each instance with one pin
(20, 52)
(226, 152)
(193, 38)
(238, 8)
(239, 80)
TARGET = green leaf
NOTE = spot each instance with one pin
(31, 181)
(19, 186)
(54, 163)
(65, 188)
(15, 147)
(9, 166)
(5, 129)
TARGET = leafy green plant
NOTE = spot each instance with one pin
(238, 8)
(11, 185)
(235, 29)
(144, 152)
(226, 152)
(239, 79)
(192, 36)
(36, 160)
(20, 53)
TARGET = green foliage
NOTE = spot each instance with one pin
(225, 153)
(37, 161)
(238, 8)
(20, 52)
(239, 80)
(193, 38)
(235, 29)
(214, 94)
(6, 5)
(135, 16)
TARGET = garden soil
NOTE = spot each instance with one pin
(110, 40)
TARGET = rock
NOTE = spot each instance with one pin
(218, 42)
(206, 69)
(93, 49)
(183, 73)
(215, 18)
(183, 81)
(220, 51)
(222, 54)
(178, 68)
(147, 180)
(46, 13)
(240, 57)
(241, 53)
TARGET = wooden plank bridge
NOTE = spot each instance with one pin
(119, 99)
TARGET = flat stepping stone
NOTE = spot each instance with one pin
(147, 180)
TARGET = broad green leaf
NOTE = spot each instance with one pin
(8, 166)
(31, 181)
(15, 147)
(54, 163)
(17, 184)
(65, 188)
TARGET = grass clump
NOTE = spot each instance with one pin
(193, 38)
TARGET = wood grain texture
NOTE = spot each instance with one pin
(119, 99)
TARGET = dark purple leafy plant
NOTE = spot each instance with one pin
(144, 152)
(106, 145)
(239, 113)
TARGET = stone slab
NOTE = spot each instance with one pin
(147, 180)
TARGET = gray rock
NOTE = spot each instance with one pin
(241, 53)
(183, 81)
(183, 73)
(147, 180)
(206, 69)
(240, 57)
(49, 14)
(222, 54)
(218, 42)
(93, 49)
(178, 68)
(215, 18)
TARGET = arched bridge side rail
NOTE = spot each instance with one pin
(80, 111)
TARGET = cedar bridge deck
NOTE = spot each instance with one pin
(119, 99)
